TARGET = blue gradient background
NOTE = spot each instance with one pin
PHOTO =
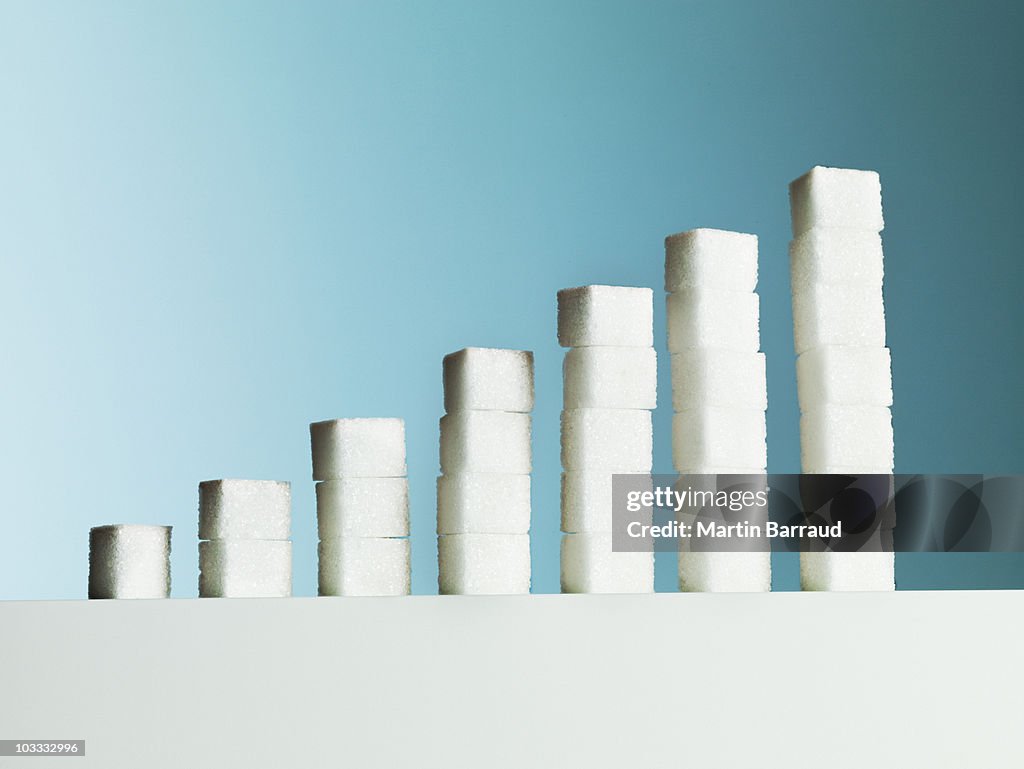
(223, 221)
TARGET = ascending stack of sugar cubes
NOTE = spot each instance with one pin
(718, 384)
(362, 506)
(844, 380)
(129, 561)
(483, 492)
(610, 379)
(244, 528)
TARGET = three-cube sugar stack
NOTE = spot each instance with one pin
(719, 390)
(362, 506)
(244, 530)
(610, 380)
(483, 492)
(129, 561)
(844, 381)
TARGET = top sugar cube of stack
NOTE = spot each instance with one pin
(358, 448)
(488, 379)
(836, 197)
(244, 509)
(707, 258)
(598, 316)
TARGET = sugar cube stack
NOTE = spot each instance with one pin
(129, 561)
(483, 492)
(245, 550)
(844, 380)
(362, 506)
(609, 378)
(719, 392)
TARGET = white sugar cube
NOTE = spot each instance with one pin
(589, 565)
(711, 318)
(836, 197)
(850, 315)
(607, 439)
(587, 501)
(245, 568)
(363, 566)
(242, 509)
(358, 448)
(710, 377)
(846, 376)
(129, 561)
(487, 378)
(870, 571)
(727, 572)
(613, 316)
(836, 256)
(846, 436)
(706, 258)
(719, 437)
(483, 503)
(362, 507)
(610, 377)
(485, 442)
(483, 564)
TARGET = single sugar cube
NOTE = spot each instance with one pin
(711, 318)
(362, 507)
(363, 566)
(485, 442)
(706, 258)
(589, 565)
(242, 509)
(846, 436)
(483, 503)
(726, 572)
(483, 564)
(245, 568)
(869, 571)
(588, 502)
(606, 316)
(486, 378)
(845, 376)
(610, 377)
(711, 377)
(836, 256)
(358, 448)
(838, 315)
(129, 561)
(836, 197)
(719, 437)
(607, 439)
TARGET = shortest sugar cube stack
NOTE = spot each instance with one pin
(844, 379)
(245, 549)
(362, 507)
(483, 492)
(129, 561)
(609, 386)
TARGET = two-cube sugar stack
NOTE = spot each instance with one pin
(244, 530)
(844, 380)
(362, 506)
(129, 561)
(719, 390)
(483, 492)
(610, 379)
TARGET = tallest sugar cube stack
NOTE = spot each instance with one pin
(719, 390)
(844, 380)
(609, 388)
(362, 506)
(483, 492)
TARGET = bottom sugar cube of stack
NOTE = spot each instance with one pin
(729, 572)
(129, 561)
(245, 568)
(869, 571)
(590, 565)
(483, 564)
(364, 566)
